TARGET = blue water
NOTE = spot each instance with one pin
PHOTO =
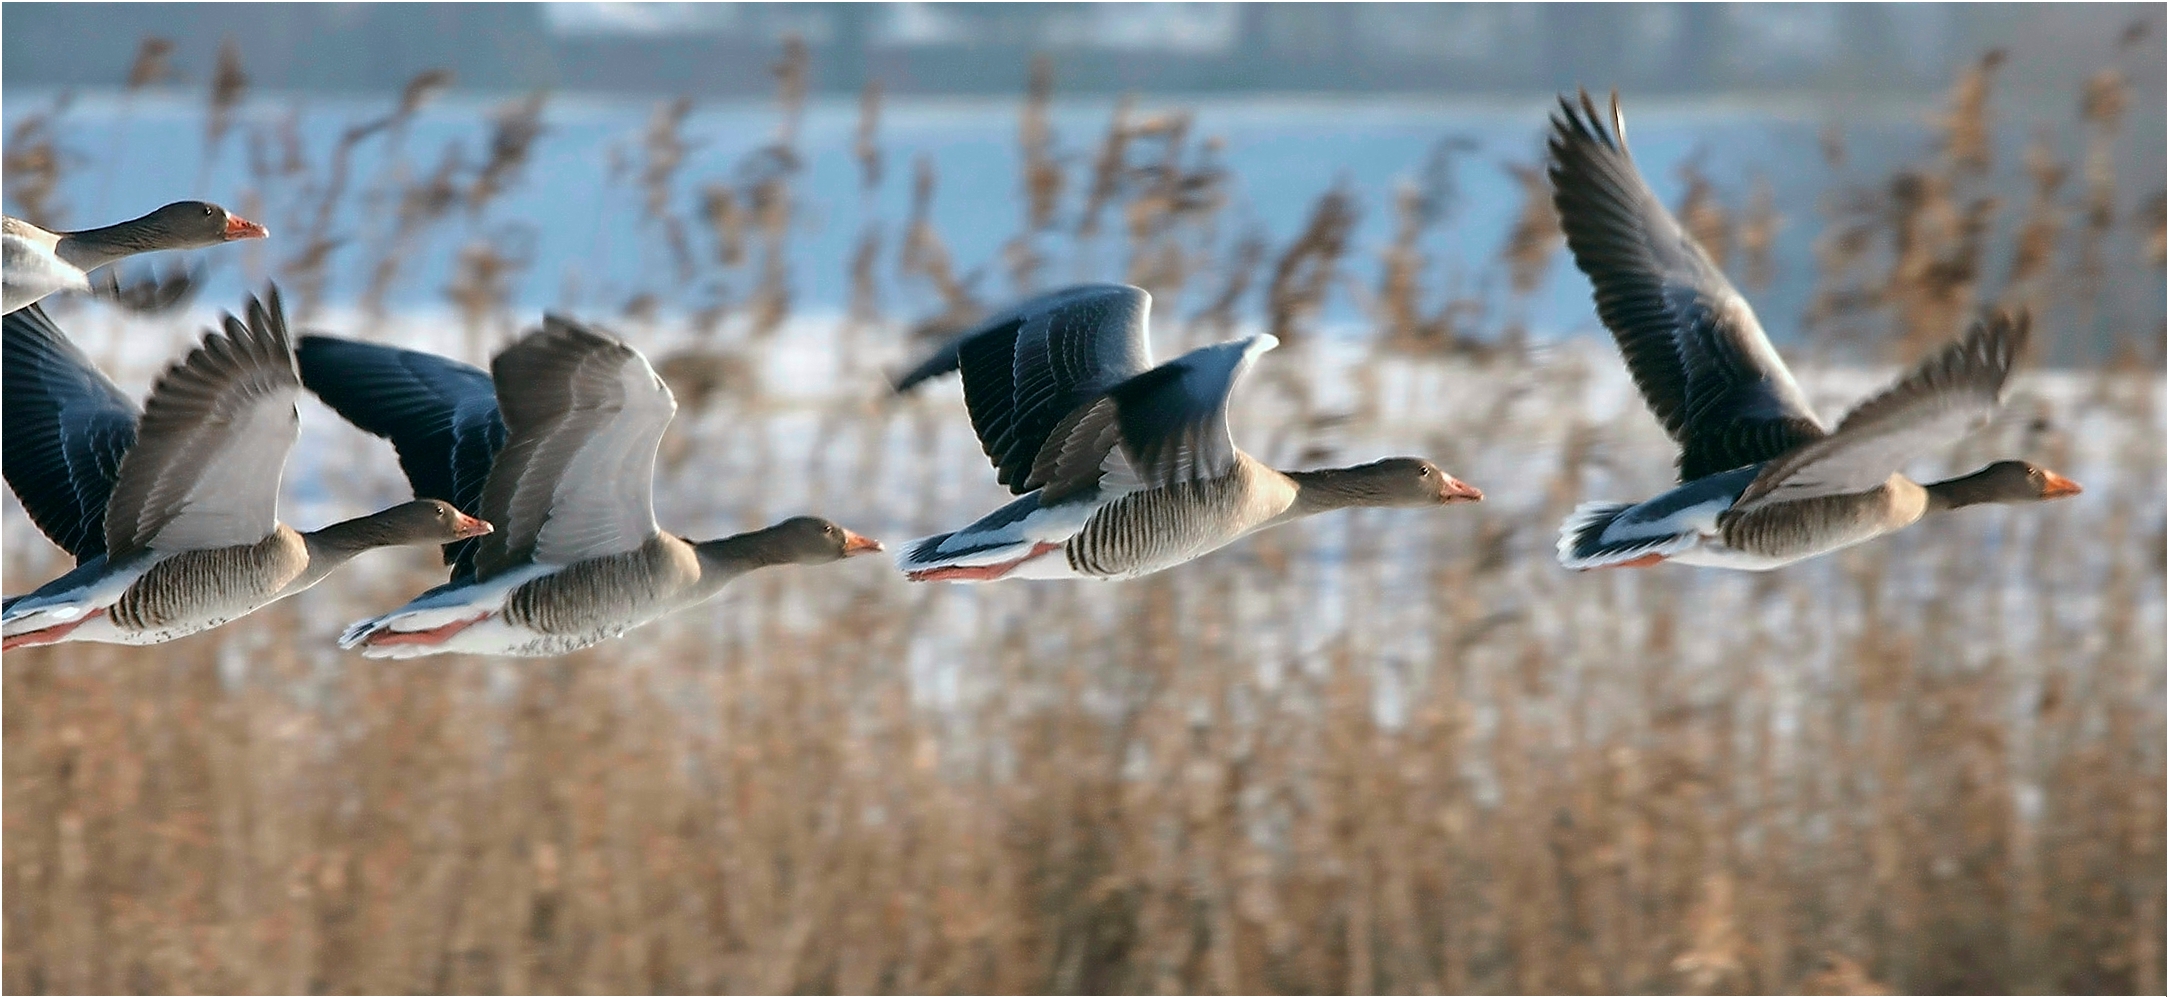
(592, 250)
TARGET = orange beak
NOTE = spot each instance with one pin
(2055, 486)
(470, 527)
(241, 228)
(855, 544)
(1455, 490)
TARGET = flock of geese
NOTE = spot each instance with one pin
(537, 476)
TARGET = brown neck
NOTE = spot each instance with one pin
(347, 538)
(91, 248)
(727, 558)
(1965, 490)
(1328, 489)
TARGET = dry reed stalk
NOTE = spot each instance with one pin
(32, 166)
(1108, 169)
(1967, 143)
(1535, 235)
(866, 143)
(1758, 235)
(1043, 174)
(1306, 270)
(663, 148)
(514, 129)
(1392, 751)
(229, 84)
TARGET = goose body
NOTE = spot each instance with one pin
(170, 513)
(1123, 468)
(1763, 482)
(558, 441)
(35, 262)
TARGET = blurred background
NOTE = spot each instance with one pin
(1380, 751)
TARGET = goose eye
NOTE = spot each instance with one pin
(1423, 473)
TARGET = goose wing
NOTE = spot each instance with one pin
(575, 479)
(440, 415)
(1028, 368)
(67, 427)
(1166, 426)
(1693, 345)
(1949, 395)
(212, 443)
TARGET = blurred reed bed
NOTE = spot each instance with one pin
(1383, 751)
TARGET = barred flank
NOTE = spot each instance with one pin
(612, 591)
(221, 583)
(1146, 531)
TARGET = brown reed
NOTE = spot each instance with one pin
(1374, 752)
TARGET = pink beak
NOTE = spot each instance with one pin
(855, 544)
(470, 527)
(241, 228)
(1455, 490)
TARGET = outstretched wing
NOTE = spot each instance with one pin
(584, 415)
(67, 427)
(212, 443)
(1162, 427)
(440, 415)
(1027, 368)
(1948, 396)
(1695, 349)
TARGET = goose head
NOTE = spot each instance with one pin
(430, 521)
(811, 540)
(194, 224)
(2003, 482)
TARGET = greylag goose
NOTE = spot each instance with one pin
(557, 445)
(38, 262)
(1764, 483)
(1123, 468)
(171, 514)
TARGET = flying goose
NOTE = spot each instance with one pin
(1763, 482)
(37, 263)
(1123, 468)
(171, 514)
(556, 444)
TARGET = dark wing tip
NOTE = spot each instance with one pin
(942, 361)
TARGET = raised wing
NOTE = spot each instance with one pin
(212, 443)
(67, 427)
(1027, 368)
(1949, 395)
(1165, 426)
(1692, 343)
(440, 415)
(583, 414)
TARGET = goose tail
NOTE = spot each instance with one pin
(1586, 540)
(998, 545)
